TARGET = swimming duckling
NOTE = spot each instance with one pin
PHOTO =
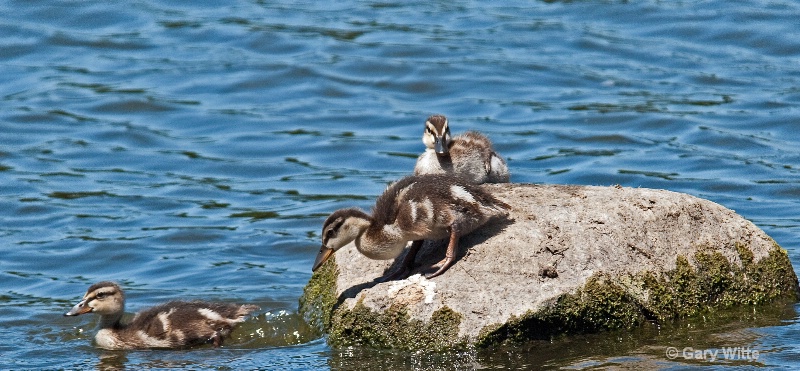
(176, 324)
(415, 208)
(469, 155)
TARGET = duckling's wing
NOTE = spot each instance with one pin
(472, 206)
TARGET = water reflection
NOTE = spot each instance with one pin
(112, 361)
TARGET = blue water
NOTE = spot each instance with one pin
(192, 149)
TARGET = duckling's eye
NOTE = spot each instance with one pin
(330, 234)
(101, 295)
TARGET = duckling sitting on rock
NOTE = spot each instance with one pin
(177, 324)
(469, 155)
(415, 208)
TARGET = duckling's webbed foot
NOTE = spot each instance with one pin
(408, 262)
(449, 256)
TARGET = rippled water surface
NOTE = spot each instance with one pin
(192, 149)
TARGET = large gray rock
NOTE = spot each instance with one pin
(567, 259)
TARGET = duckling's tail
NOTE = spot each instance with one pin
(245, 310)
(495, 205)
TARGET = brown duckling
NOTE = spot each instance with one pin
(177, 324)
(469, 155)
(415, 208)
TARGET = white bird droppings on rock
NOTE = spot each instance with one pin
(428, 287)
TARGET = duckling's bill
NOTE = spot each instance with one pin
(439, 145)
(78, 309)
(323, 255)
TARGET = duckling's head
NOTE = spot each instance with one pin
(437, 134)
(341, 228)
(104, 298)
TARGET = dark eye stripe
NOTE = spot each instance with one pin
(337, 224)
(333, 227)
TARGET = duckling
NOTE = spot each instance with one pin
(469, 155)
(176, 324)
(415, 208)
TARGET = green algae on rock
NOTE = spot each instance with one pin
(686, 291)
(319, 297)
(615, 258)
(714, 282)
(395, 329)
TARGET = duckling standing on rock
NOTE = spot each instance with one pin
(176, 324)
(415, 208)
(469, 155)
